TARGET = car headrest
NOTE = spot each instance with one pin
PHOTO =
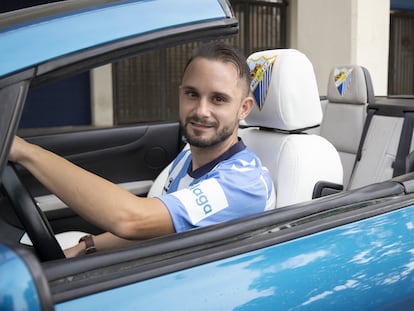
(285, 91)
(350, 84)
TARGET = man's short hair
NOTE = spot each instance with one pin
(227, 54)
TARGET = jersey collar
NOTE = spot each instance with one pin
(239, 146)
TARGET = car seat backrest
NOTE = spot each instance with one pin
(348, 94)
(286, 104)
(386, 148)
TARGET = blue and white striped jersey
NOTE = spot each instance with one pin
(229, 187)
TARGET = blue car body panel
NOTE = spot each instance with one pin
(30, 44)
(18, 291)
(341, 266)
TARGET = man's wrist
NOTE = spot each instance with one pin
(89, 244)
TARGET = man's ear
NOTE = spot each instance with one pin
(246, 107)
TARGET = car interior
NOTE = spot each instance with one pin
(136, 157)
(373, 135)
(291, 121)
(298, 162)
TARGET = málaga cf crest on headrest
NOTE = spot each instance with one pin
(261, 73)
(342, 79)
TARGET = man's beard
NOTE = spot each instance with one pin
(194, 140)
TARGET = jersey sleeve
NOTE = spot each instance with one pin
(226, 193)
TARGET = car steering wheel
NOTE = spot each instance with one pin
(31, 216)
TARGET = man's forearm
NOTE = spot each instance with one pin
(102, 242)
(86, 193)
(97, 200)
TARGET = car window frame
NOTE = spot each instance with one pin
(12, 98)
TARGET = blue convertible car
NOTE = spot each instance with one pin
(341, 236)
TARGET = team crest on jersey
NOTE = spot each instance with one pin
(342, 79)
(261, 73)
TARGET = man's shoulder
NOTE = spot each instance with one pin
(242, 164)
(246, 156)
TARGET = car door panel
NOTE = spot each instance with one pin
(131, 156)
(119, 154)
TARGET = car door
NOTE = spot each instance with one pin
(131, 156)
(320, 255)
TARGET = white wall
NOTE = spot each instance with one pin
(335, 32)
(102, 96)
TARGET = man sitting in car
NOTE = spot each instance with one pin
(215, 180)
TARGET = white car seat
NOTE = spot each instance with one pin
(287, 103)
(349, 92)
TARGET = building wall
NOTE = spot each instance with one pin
(102, 96)
(335, 32)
